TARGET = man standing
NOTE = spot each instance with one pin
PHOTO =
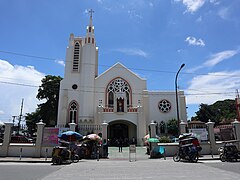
(120, 144)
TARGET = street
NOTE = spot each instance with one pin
(26, 171)
(121, 169)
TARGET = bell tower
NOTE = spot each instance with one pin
(81, 69)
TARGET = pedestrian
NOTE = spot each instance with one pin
(120, 144)
(134, 141)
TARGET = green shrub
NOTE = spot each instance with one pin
(164, 139)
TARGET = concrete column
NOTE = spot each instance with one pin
(141, 126)
(7, 138)
(153, 130)
(104, 139)
(152, 134)
(38, 146)
(236, 126)
(183, 126)
(72, 126)
(104, 130)
(99, 114)
(211, 136)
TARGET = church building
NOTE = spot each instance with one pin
(118, 96)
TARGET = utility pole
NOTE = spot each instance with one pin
(238, 105)
(20, 116)
(176, 92)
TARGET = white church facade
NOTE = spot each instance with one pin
(118, 96)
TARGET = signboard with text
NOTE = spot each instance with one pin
(50, 136)
(201, 133)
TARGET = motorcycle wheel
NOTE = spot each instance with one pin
(75, 158)
(194, 158)
(176, 158)
(57, 160)
(222, 158)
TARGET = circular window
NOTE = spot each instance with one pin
(164, 106)
(74, 86)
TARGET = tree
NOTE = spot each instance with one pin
(172, 127)
(31, 120)
(47, 111)
(217, 112)
(205, 113)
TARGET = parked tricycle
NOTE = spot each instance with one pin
(229, 152)
(62, 155)
(188, 150)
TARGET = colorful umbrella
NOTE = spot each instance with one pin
(70, 136)
(93, 137)
(152, 140)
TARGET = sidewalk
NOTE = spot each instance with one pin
(114, 155)
(25, 160)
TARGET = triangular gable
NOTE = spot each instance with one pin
(119, 65)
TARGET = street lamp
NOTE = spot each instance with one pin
(178, 119)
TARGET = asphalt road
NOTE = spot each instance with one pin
(121, 169)
(227, 166)
(26, 171)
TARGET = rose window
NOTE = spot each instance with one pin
(164, 106)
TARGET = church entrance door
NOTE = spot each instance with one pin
(123, 130)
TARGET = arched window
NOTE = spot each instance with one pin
(73, 109)
(76, 54)
(110, 99)
(89, 40)
(115, 86)
(90, 29)
(92, 40)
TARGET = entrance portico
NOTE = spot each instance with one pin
(123, 129)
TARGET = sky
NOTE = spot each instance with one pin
(150, 37)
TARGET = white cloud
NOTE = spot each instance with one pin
(199, 19)
(215, 59)
(17, 83)
(1, 112)
(134, 15)
(219, 57)
(100, 1)
(192, 5)
(132, 51)
(215, 2)
(213, 87)
(224, 13)
(195, 42)
(61, 62)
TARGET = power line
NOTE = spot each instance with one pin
(19, 84)
(108, 66)
(103, 92)
(26, 55)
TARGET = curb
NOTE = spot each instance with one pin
(25, 160)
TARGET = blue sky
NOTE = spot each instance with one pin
(150, 37)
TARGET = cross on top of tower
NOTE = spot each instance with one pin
(90, 11)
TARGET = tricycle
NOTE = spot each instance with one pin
(188, 150)
(229, 152)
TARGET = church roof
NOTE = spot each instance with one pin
(120, 65)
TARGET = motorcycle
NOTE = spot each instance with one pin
(62, 155)
(229, 152)
(189, 149)
(186, 152)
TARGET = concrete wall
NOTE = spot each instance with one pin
(27, 150)
(172, 148)
(37, 150)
